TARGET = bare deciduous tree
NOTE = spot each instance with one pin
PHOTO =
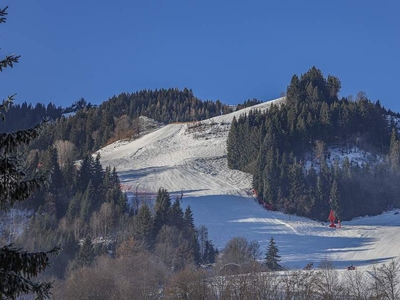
(328, 284)
(65, 151)
(106, 218)
(189, 283)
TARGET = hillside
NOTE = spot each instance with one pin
(291, 151)
(192, 157)
(189, 156)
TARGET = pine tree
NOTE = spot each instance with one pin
(18, 267)
(272, 258)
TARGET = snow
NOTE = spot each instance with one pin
(192, 157)
(355, 155)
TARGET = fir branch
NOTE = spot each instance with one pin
(18, 266)
(13, 189)
(3, 13)
(10, 141)
(9, 61)
(5, 106)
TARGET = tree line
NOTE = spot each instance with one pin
(89, 127)
(275, 146)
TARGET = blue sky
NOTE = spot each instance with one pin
(227, 50)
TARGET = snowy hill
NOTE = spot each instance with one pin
(192, 157)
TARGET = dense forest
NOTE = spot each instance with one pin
(276, 145)
(85, 210)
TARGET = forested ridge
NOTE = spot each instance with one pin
(90, 127)
(83, 208)
(275, 145)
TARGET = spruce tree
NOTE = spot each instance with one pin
(18, 268)
(143, 229)
(176, 214)
(272, 258)
(162, 209)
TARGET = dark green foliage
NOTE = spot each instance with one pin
(188, 217)
(176, 215)
(18, 267)
(162, 209)
(274, 145)
(272, 258)
(169, 233)
(86, 203)
(15, 185)
(22, 116)
(94, 126)
(248, 103)
(85, 173)
(143, 230)
(206, 248)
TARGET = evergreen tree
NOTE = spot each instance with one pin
(272, 258)
(87, 203)
(18, 267)
(191, 234)
(335, 200)
(232, 146)
(143, 229)
(162, 209)
(176, 214)
(85, 173)
(188, 217)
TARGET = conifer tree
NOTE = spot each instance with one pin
(143, 229)
(272, 258)
(176, 214)
(191, 234)
(18, 267)
(162, 209)
(87, 203)
(335, 200)
(232, 146)
(188, 217)
(85, 173)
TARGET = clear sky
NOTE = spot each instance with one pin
(227, 50)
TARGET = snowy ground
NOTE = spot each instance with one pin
(192, 157)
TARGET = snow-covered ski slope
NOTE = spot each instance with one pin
(192, 157)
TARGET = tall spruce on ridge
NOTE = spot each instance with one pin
(18, 267)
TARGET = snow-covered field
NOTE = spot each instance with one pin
(192, 157)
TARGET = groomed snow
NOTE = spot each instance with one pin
(192, 157)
